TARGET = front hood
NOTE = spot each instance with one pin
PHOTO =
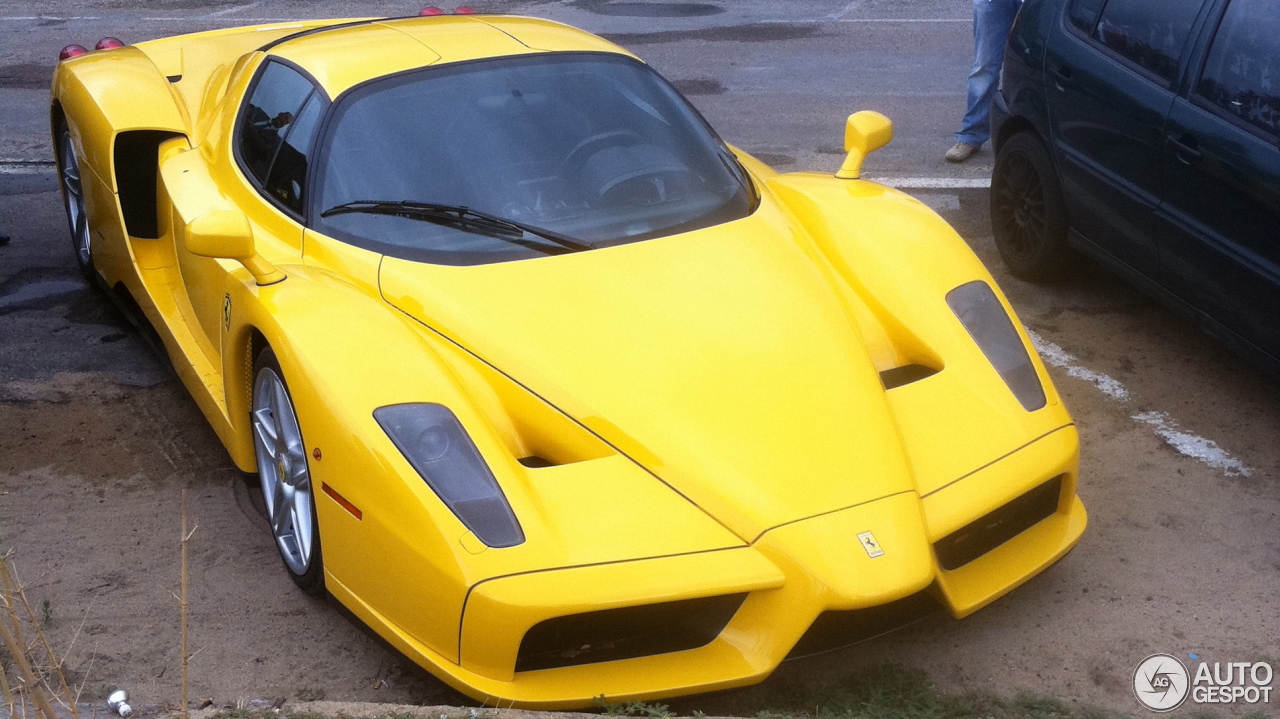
(722, 360)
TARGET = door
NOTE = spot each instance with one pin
(272, 137)
(1221, 208)
(1109, 70)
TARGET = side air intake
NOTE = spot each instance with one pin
(611, 634)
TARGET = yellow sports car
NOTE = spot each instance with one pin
(557, 392)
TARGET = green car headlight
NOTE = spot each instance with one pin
(434, 442)
(981, 313)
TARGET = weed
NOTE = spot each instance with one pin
(632, 708)
(46, 612)
(310, 694)
(891, 691)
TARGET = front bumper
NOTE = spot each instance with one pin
(790, 576)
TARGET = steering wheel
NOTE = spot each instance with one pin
(590, 146)
(646, 185)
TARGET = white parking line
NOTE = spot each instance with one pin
(1185, 443)
(230, 10)
(25, 167)
(934, 183)
(1058, 357)
(1205, 450)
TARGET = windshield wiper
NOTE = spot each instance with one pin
(460, 216)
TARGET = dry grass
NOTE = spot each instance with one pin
(38, 681)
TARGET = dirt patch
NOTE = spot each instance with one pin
(77, 424)
(90, 477)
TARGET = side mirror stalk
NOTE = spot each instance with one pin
(226, 234)
(864, 133)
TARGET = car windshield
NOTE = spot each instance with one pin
(593, 147)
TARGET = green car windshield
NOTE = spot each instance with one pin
(589, 146)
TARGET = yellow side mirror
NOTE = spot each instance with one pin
(864, 133)
(226, 234)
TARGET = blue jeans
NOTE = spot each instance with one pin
(992, 20)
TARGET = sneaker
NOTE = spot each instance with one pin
(961, 152)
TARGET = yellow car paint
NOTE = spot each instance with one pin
(710, 404)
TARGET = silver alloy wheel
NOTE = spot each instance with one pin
(282, 467)
(73, 195)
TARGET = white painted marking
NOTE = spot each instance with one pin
(25, 167)
(1190, 445)
(850, 7)
(934, 183)
(1058, 357)
(230, 10)
(1196, 447)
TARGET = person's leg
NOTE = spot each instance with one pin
(992, 20)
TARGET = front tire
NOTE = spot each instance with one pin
(1028, 217)
(285, 477)
(74, 203)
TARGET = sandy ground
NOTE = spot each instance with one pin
(97, 440)
(1179, 557)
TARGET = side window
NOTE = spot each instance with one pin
(289, 171)
(275, 102)
(1150, 33)
(1242, 72)
(1084, 14)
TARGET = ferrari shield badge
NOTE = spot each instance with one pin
(870, 544)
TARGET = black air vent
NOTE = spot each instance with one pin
(836, 629)
(905, 374)
(977, 538)
(626, 633)
(137, 159)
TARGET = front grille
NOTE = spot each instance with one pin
(999, 526)
(836, 629)
(611, 634)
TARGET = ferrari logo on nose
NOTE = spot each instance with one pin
(870, 544)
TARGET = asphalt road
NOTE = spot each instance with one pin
(1180, 458)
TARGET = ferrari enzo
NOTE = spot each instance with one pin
(559, 393)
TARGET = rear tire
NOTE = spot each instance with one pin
(284, 475)
(1028, 217)
(69, 175)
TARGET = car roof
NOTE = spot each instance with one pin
(347, 54)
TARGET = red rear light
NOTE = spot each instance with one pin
(108, 43)
(71, 51)
(429, 11)
(464, 10)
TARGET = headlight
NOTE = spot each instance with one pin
(981, 313)
(433, 441)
